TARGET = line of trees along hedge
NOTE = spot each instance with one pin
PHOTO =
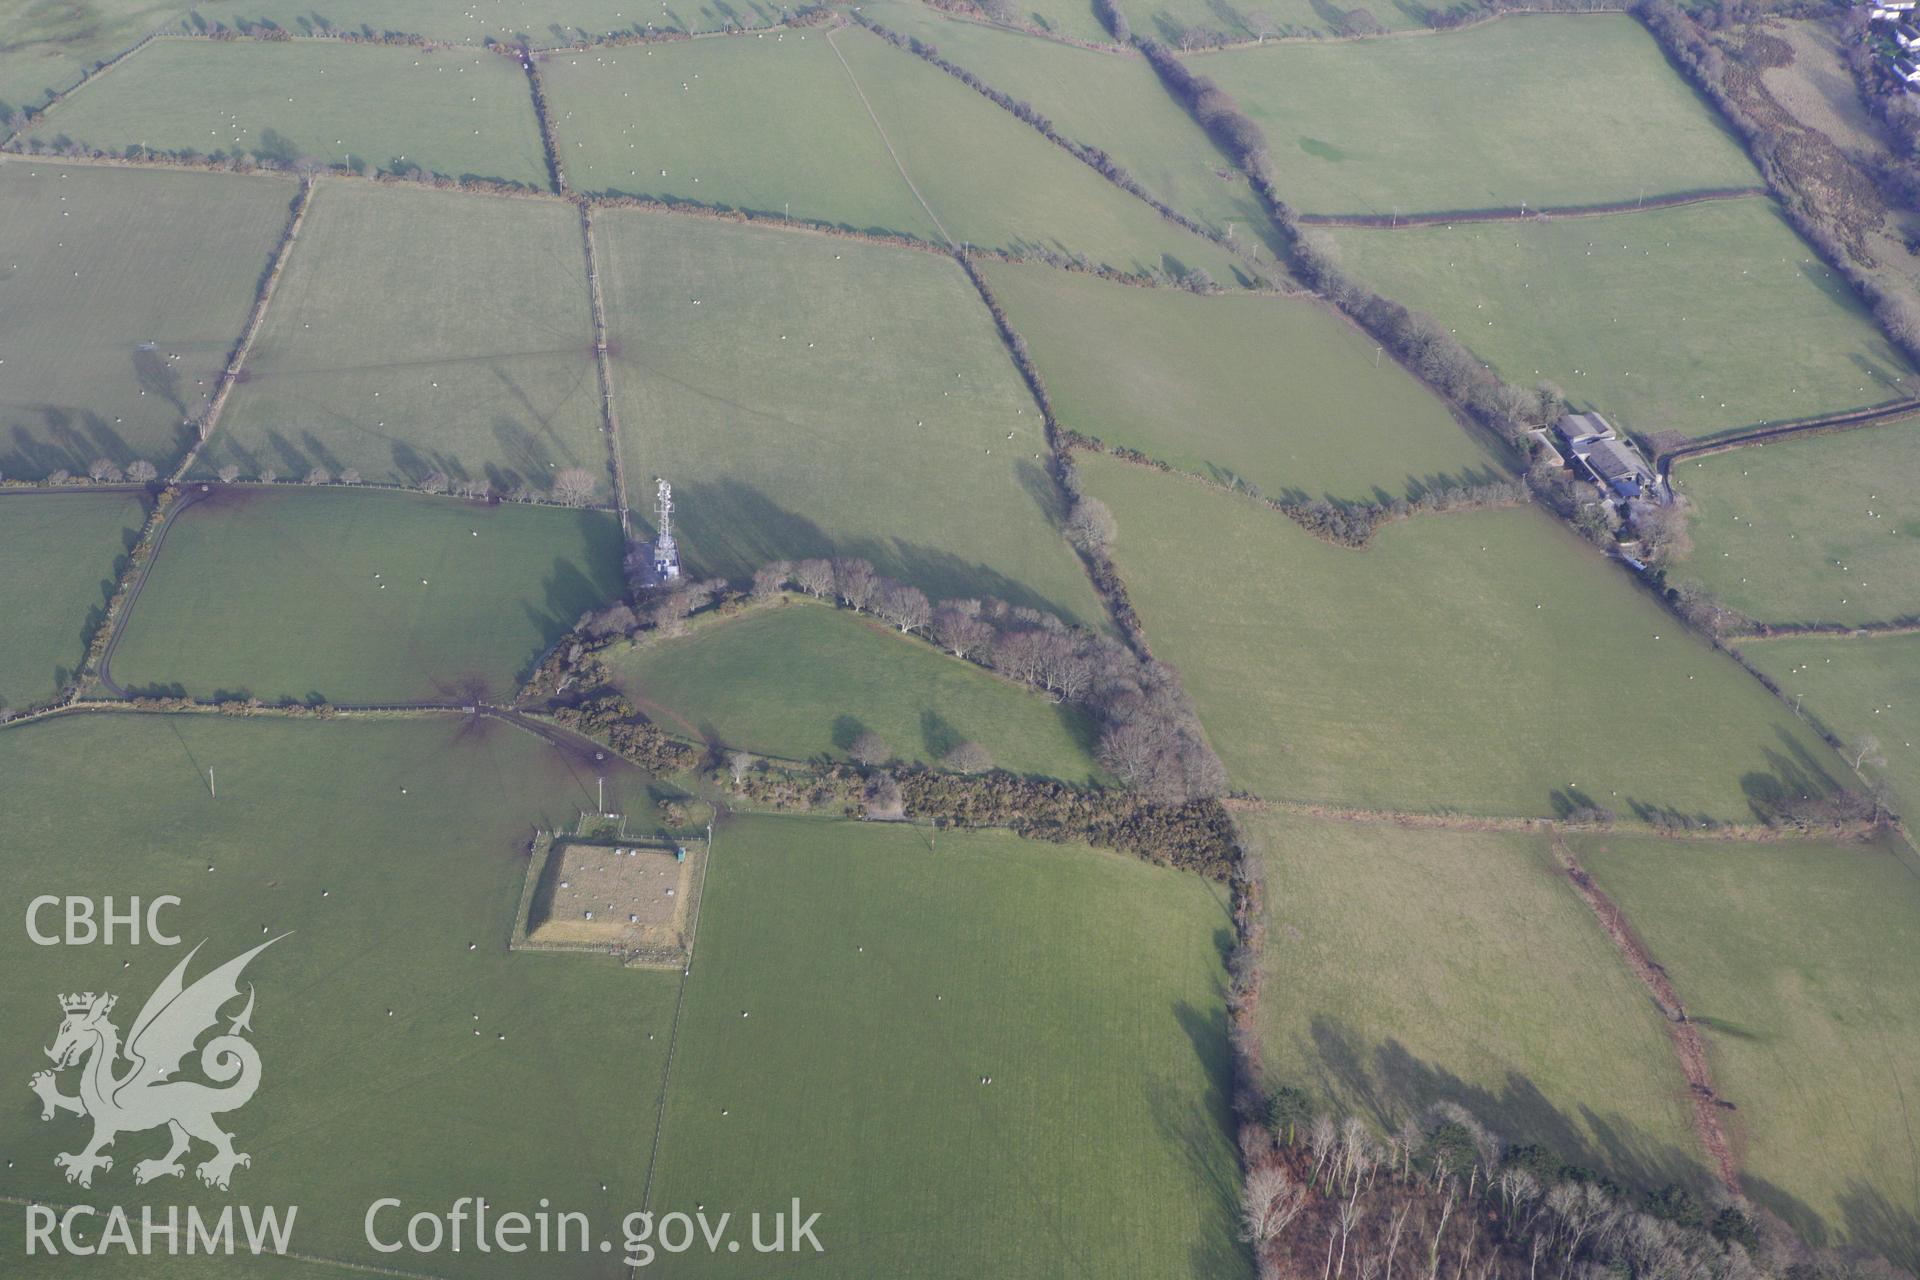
(1195, 835)
(1418, 340)
(1774, 150)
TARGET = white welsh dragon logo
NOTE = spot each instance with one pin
(142, 1097)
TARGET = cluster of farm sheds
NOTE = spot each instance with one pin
(1895, 38)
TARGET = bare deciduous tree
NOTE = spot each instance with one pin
(100, 469)
(349, 476)
(855, 581)
(869, 748)
(140, 471)
(1091, 526)
(815, 577)
(1270, 1201)
(968, 757)
(434, 482)
(228, 474)
(319, 475)
(738, 763)
(574, 487)
(903, 606)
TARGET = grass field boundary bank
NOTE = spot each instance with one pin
(886, 142)
(677, 208)
(28, 117)
(1851, 420)
(1410, 221)
(1093, 157)
(209, 419)
(1688, 1047)
(1693, 53)
(603, 365)
(1825, 630)
(543, 121)
(1724, 833)
(1341, 524)
(167, 505)
(1101, 570)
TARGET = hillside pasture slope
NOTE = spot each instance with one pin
(1405, 968)
(1279, 392)
(994, 181)
(537, 24)
(1099, 99)
(1857, 689)
(456, 112)
(803, 680)
(420, 331)
(362, 597)
(809, 395)
(48, 46)
(884, 983)
(122, 294)
(1700, 320)
(1814, 530)
(766, 125)
(387, 858)
(1478, 662)
(58, 554)
(1791, 960)
(1548, 109)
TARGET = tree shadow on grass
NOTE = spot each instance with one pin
(730, 528)
(1386, 1083)
(1200, 1126)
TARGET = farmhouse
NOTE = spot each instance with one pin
(1610, 462)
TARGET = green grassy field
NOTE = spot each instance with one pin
(58, 553)
(1699, 319)
(1405, 968)
(382, 849)
(992, 180)
(883, 983)
(1858, 689)
(1170, 19)
(1279, 392)
(830, 397)
(1101, 99)
(536, 23)
(417, 331)
(1484, 662)
(1792, 960)
(49, 44)
(803, 680)
(1371, 127)
(714, 122)
(458, 112)
(362, 597)
(735, 135)
(121, 294)
(1816, 530)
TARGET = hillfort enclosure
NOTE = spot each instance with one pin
(951, 638)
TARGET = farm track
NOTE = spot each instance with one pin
(1408, 221)
(885, 141)
(123, 607)
(230, 376)
(603, 361)
(1687, 1044)
(1851, 420)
